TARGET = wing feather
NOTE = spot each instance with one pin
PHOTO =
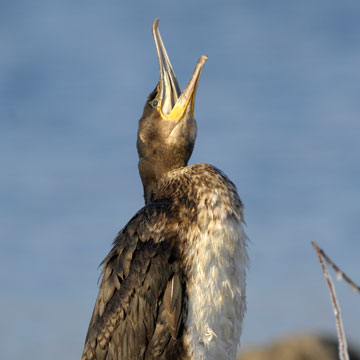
(173, 304)
(138, 311)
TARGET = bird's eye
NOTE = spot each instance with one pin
(155, 103)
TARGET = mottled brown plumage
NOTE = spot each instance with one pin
(140, 306)
(173, 285)
(130, 319)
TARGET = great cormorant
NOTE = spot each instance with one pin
(173, 285)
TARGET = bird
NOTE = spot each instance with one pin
(173, 285)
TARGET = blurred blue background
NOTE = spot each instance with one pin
(277, 109)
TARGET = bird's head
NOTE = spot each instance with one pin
(167, 128)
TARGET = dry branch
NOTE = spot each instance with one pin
(343, 353)
(340, 275)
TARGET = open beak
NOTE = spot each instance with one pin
(172, 103)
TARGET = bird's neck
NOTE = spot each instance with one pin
(152, 176)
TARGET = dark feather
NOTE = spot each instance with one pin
(173, 304)
(138, 312)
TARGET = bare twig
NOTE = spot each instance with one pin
(339, 273)
(343, 353)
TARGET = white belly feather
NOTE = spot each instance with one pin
(216, 292)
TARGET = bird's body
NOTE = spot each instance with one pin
(173, 285)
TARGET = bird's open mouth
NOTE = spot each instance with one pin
(172, 103)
